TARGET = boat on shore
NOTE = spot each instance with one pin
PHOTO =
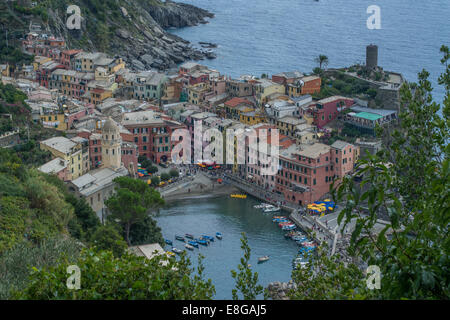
(169, 242)
(193, 244)
(219, 235)
(188, 246)
(179, 238)
(289, 227)
(263, 259)
(189, 236)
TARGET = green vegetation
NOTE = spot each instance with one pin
(131, 204)
(104, 276)
(165, 176)
(174, 173)
(246, 280)
(322, 60)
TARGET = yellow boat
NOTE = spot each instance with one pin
(239, 196)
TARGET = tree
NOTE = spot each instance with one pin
(408, 184)
(174, 173)
(132, 202)
(108, 238)
(155, 181)
(246, 280)
(152, 169)
(103, 276)
(325, 277)
(322, 60)
(146, 231)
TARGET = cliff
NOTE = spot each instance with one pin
(133, 29)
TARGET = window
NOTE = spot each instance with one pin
(135, 139)
(314, 182)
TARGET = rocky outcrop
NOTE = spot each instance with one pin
(177, 15)
(132, 29)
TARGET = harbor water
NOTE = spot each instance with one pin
(231, 217)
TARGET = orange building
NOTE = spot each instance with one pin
(307, 85)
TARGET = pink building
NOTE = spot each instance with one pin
(327, 109)
(257, 159)
(307, 171)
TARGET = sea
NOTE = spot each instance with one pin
(272, 36)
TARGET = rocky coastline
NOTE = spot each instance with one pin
(137, 31)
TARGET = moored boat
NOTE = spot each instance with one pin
(202, 242)
(263, 259)
(180, 238)
(271, 208)
(219, 235)
(188, 246)
(289, 227)
(176, 250)
(205, 237)
(193, 243)
(189, 236)
(169, 242)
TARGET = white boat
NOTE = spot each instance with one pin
(271, 208)
(188, 246)
(261, 206)
(263, 259)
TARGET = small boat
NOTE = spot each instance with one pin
(177, 251)
(289, 227)
(263, 259)
(170, 253)
(279, 217)
(285, 223)
(219, 235)
(202, 242)
(208, 238)
(299, 239)
(193, 243)
(189, 236)
(261, 206)
(169, 242)
(280, 220)
(188, 246)
(180, 238)
(239, 196)
(271, 208)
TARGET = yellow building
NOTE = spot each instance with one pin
(251, 118)
(40, 60)
(54, 121)
(68, 150)
(265, 88)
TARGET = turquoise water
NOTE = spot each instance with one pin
(231, 217)
(270, 36)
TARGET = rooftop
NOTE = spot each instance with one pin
(339, 144)
(60, 144)
(313, 151)
(53, 166)
(98, 179)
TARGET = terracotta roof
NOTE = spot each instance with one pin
(237, 101)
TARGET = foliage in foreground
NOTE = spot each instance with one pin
(17, 262)
(409, 182)
(104, 276)
(246, 279)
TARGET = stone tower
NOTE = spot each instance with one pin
(111, 145)
(371, 56)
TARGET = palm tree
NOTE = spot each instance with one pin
(322, 60)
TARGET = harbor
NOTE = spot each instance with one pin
(199, 216)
